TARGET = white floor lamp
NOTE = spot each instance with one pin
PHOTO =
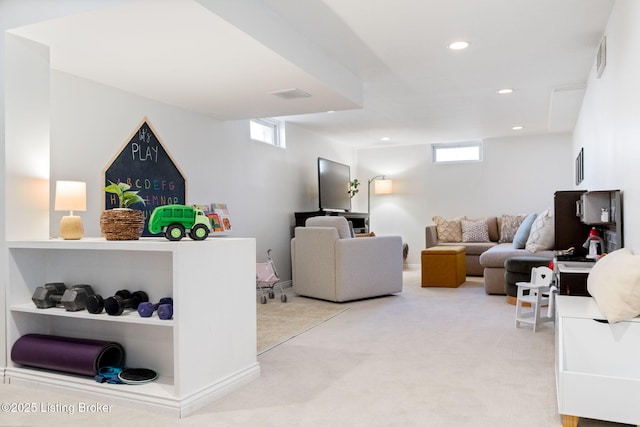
(382, 186)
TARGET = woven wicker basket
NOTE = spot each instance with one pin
(122, 224)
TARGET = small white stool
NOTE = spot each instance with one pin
(539, 295)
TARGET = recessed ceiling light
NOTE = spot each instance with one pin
(505, 91)
(385, 138)
(459, 45)
(331, 111)
(517, 127)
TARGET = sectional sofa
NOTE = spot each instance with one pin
(490, 241)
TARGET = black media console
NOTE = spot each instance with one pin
(358, 219)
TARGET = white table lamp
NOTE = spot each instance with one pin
(71, 196)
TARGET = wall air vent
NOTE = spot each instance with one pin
(601, 58)
(290, 94)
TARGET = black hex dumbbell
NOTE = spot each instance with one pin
(164, 307)
(115, 305)
(56, 294)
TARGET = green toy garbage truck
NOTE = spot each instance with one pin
(174, 221)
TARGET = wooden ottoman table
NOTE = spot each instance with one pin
(443, 266)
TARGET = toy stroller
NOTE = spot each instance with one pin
(267, 278)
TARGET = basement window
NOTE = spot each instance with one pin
(457, 152)
(269, 131)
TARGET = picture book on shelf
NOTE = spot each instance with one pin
(218, 214)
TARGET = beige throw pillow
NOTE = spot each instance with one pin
(614, 283)
(475, 230)
(542, 235)
(509, 226)
(448, 230)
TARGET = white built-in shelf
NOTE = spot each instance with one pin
(207, 350)
(128, 316)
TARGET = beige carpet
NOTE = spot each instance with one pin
(278, 322)
(434, 357)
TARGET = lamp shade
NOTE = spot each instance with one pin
(383, 186)
(71, 196)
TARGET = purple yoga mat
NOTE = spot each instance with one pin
(71, 355)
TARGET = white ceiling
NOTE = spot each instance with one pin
(382, 65)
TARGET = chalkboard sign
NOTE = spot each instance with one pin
(147, 167)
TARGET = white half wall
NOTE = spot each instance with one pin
(517, 175)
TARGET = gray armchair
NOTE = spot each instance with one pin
(328, 263)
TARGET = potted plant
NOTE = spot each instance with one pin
(126, 196)
(353, 187)
(122, 223)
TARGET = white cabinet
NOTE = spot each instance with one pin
(597, 369)
(208, 349)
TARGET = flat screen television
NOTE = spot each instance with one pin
(333, 185)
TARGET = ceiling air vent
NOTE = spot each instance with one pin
(290, 94)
